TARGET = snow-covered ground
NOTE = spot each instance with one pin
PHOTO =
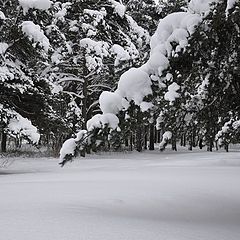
(128, 196)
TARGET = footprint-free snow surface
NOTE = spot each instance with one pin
(131, 196)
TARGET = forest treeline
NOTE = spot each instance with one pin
(57, 57)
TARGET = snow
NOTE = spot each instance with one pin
(62, 13)
(165, 138)
(97, 15)
(121, 54)
(2, 16)
(70, 145)
(134, 84)
(102, 120)
(172, 94)
(68, 148)
(100, 48)
(149, 196)
(22, 127)
(37, 4)
(34, 32)
(138, 31)
(110, 102)
(201, 7)
(236, 124)
(230, 5)
(95, 52)
(145, 106)
(175, 27)
(3, 48)
(119, 8)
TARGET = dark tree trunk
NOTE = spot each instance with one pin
(131, 142)
(3, 142)
(184, 140)
(200, 143)
(139, 129)
(84, 101)
(159, 134)
(226, 147)
(151, 137)
(126, 142)
(139, 139)
(145, 137)
(174, 144)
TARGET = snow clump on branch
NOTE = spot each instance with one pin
(34, 32)
(22, 127)
(37, 4)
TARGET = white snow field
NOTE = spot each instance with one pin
(127, 196)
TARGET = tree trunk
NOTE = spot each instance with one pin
(3, 142)
(126, 142)
(139, 138)
(200, 143)
(151, 137)
(131, 142)
(84, 103)
(226, 147)
(139, 129)
(174, 144)
(145, 137)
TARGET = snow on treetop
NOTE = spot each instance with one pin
(201, 7)
(172, 94)
(2, 16)
(174, 27)
(230, 5)
(97, 15)
(100, 47)
(121, 54)
(5, 74)
(95, 52)
(34, 32)
(145, 106)
(236, 124)
(37, 4)
(119, 8)
(3, 47)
